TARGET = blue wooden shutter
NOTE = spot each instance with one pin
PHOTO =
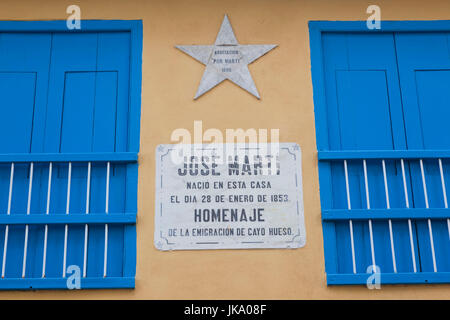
(424, 68)
(23, 96)
(365, 114)
(371, 119)
(70, 102)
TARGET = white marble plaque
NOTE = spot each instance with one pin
(211, 198)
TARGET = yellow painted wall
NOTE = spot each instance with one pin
(283, 78)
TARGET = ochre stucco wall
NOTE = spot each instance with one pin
(283, 78)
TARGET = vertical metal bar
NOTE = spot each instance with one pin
(411, 241)
(388, 206)
(86, 227)
(444, 193)
(8, 212)
(108, 165)
(430, 229)
(25, 247)
(66, 228)
(350, 222)
(372, 248)
(47, 211)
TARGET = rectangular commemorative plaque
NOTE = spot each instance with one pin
(229, 196)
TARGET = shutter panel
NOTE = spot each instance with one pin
(365, 110)
(23, 86)
(424, 66)
(68, 102)
(386, 142)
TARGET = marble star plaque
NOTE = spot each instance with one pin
(226, 59)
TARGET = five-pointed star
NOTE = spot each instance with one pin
(226, 59)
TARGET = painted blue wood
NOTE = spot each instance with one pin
(130, 250)
(390, 278)
(424, 68)
(62, 218)
(60, 283)
(329, 230)
(360, 114)
(384, 214)
(133, 26)
(361, 122)
(129, 263)
(338, 61)
(382, 154)
(116, 157)
(76, 99)
(114, 54)
(24, 83)
(386, 26)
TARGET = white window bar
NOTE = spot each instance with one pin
(86, 227)
(8, 212)
(47, 211)
(350, 222)
(388, 206)
(25, 246)
(66, 227)
(372, 248)
(444, 193)
(430, 229)
(108, 165)
(411, 241)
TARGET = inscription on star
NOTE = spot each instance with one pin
(226, 59)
